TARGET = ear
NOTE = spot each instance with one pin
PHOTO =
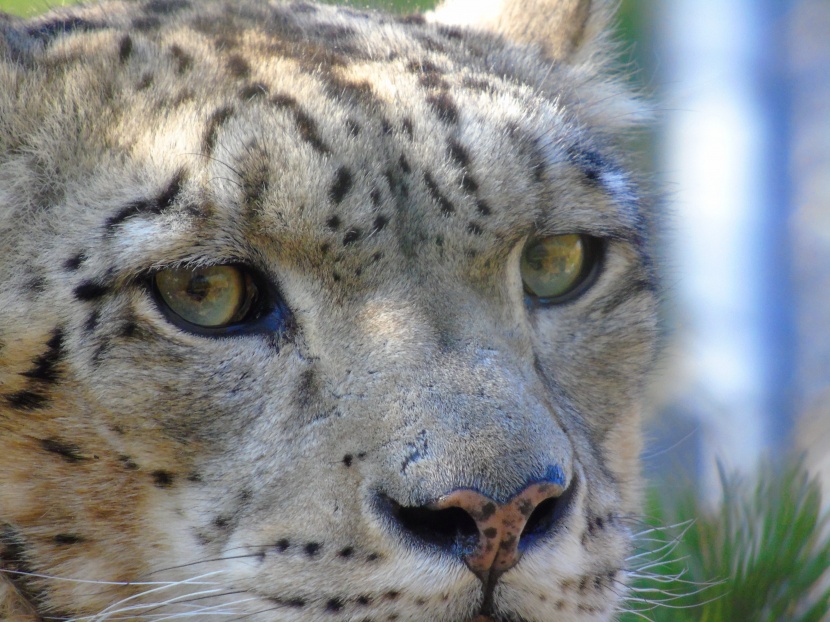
(565, 29)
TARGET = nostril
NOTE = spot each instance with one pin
(542, 518)
(545, 518)
(450, 529)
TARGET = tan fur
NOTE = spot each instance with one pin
(383, 174)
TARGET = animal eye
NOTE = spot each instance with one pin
(556, 266)
(210, 297)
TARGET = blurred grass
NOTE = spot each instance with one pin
(762, 556)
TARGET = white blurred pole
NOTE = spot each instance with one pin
(713, 162)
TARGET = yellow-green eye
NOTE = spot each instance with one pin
(555, 266)
(211, 297)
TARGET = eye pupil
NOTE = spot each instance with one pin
(555, 266)
(198, 288)
(209, 297)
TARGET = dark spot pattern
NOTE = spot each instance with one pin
(68, 538)
(63, 26)
(253, 90)
(162, 479)
(183, 60)
(238, 67)
(90, 290)
(341, 186)
(282, 545)
(312, 549)
(125, 49)
(217, 119)
(444, 106)
(352, 236)
(154, 206)
(27, 400)
(44, 368)
(446, 206)
(68, 451)
(92, 321)
(75, 262)
(305, 124)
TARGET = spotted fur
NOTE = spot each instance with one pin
(382, 174)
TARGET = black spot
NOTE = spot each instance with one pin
(219, 117)
(346, 552)
(44, 365)
(282, 545)
(380, 223)
(375, 196)
(407, 127)
(347, 460)
(385, 127)
(253, 90)
(308, 131)
(341, 186)
(125, 48)
(469, 184)
(352, 236)
(128, 463)
(447, 208)
(490, 532)
(353, 127)
(404, 164)
(377, 257)
(312, 549)
(372, 557)
(74, 262)
(364, 600)
(157, 205)
(68, 451)
(128, 330)
(145, 82)
(92, 321)
(221, 522)
(51, 30)
(589, 162)
(194, 477)
(334, 605)
(458, 154)
(392, 595)
(256, 180)
(297, 603)
(166, 7)
(474, 228)
(162, 479)
(68, 538)
(27, 400)
(36, 284)
(444, 107)
(483, 208)
(90, 290)
(238, 66)
(184, 61)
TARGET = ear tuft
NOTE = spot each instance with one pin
(565, 29)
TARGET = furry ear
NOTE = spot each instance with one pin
(565, 29)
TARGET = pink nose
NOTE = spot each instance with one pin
(500, 526)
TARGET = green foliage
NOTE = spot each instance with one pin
(761, 556)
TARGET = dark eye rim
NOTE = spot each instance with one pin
(595, 254)
(268, 313)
